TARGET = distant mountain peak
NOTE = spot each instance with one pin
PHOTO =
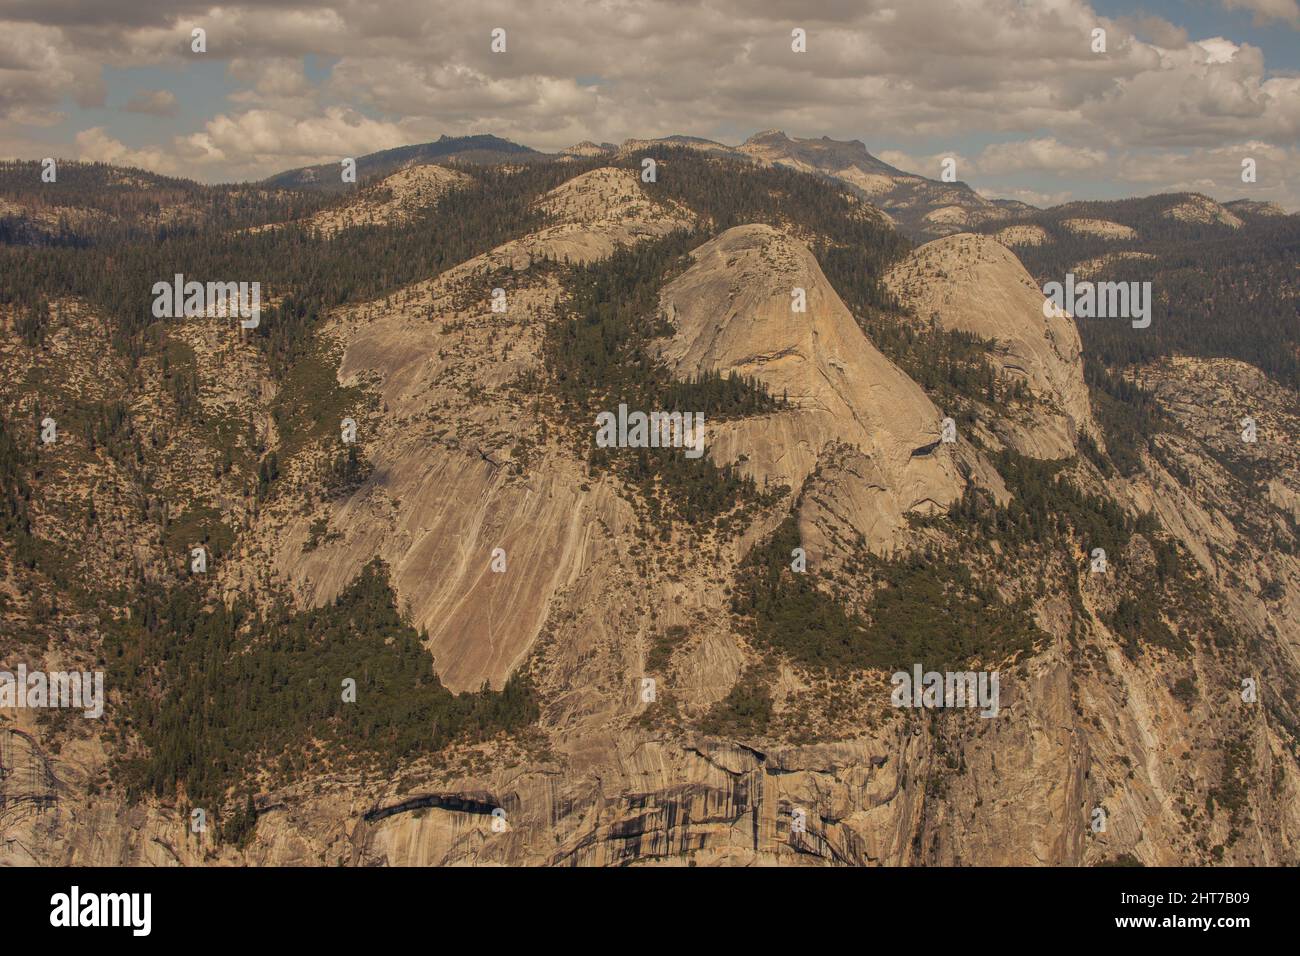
(480, 147)
(587, 148)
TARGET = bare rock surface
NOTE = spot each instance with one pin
(973, 284)
(391, 200)
(732, 310)
(445, 494)
(1102, 228)
(1202, 210)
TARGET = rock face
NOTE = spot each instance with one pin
(1204, 210)
(732, 310)
(390, 201)
(923, 207)
(1022, 236)
(393, 199)
(1071, 738)
(462, 461)
(1102, 228)
(974, 284)
(444, 494)
(1252, 207)
(587, 148)
(1193, 492)
(686, 142)
(594, 214)
(1089, 268)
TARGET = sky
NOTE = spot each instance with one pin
(1012, 90)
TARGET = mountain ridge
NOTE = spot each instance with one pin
(471, 341)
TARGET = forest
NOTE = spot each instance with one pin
(1217, 290)
(923, 608)
(600, 355)
(216, 694)
(214, 690)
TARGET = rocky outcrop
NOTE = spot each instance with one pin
(733, 312)
(1202, 483)
(447, 489)
(462, 460)
(1090, 268)
(973, 284)
(1252, 207)
(391, 200)
(1100, 228)
(1202, 210)
(593, 214)
(923, 207)
(1075, 734)
(1022, 236)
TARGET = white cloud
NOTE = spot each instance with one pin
(261, 141)
(1265, 10)
(38, 66)
(96, 146)
(902, 72)
(1041, 155)
(1032, 196)
(279, 82)
(1218, 50)
(1216, 172)
(930, 165)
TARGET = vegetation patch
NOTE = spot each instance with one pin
(928, 611)
(599, 356)
(214, 693)
(745, 711)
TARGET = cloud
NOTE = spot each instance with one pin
(925, 77)
(1208, 92)
(1042, 155)
(1215, 172)
(930, 165)
(95, 146)
(38, 67)
(1266, 10)
(152, 103)
(1154, 30)
(260, 141)
(1032, 196)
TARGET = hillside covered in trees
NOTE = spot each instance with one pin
(243, 526)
